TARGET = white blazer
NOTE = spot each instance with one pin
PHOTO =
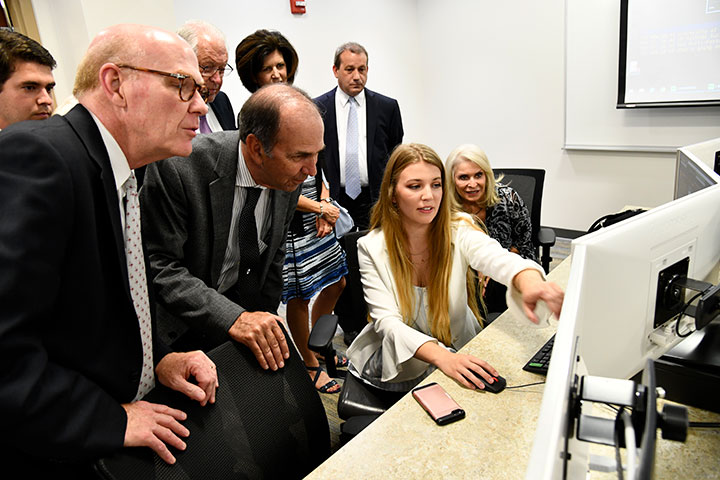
(471, 248)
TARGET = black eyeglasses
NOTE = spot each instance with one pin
(186, 89)
(209, 71)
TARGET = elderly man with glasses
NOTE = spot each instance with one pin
(76, 338)
(208, 42)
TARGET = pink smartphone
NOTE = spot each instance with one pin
(438, 403)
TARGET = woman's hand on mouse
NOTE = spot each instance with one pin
(458, 366)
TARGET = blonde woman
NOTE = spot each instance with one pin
(498, 206)
(413, 264)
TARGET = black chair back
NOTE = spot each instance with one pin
(264, 424)
(528, 183)
(351, 307)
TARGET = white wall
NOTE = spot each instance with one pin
(67, 26)
(387, 29)
(476, 71)
(496, 77)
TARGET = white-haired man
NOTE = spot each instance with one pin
(208, 42)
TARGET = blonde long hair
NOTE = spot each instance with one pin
(386, 216)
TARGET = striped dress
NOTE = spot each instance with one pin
(311, 263)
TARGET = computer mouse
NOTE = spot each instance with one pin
(497, 386)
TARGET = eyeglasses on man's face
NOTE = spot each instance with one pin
(187, 86)
(209, 70)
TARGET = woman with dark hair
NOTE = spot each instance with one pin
(265, 57)
(315, 263)
(414, 264)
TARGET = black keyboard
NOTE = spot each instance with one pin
(540, 362)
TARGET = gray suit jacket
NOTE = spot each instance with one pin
(186, 212)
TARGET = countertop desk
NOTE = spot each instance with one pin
(495, 438)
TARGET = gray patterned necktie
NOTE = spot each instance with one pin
(138, 282)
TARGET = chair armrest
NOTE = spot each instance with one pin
(356, 399)
(322, 333)
(546, 237)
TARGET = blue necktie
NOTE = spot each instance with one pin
(352, 167)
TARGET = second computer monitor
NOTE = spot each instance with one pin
(609, 325)
(697, 167)
(623, 315)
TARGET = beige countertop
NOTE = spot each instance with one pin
(495, 438)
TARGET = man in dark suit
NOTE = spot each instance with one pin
(378, 129)
(361, 129)
(214, 278)
(75, 336)
(208, 42)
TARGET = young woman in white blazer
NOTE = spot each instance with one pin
(414, 264)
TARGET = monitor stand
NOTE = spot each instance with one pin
(690, 372)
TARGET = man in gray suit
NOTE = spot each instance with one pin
(217, 268)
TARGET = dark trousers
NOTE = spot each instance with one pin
(350, 307)
(359, 208)
(495, 297)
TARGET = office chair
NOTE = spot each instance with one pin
(263, 424)
(351, 307)
(528, 183)
(358, 405)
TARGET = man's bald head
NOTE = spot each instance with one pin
(143, 84)
(125, 44)
(261, 113)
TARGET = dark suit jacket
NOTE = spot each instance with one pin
(186, 212)
(70, 345)
(384, 132)
(223, 111)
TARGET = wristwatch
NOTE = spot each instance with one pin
(328, 200)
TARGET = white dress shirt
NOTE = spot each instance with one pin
(342, 108)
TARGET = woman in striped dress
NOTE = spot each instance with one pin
(314, 263)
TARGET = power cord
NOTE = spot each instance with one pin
(616, 435)
(704, 424)
(526, 385)
(682, 314)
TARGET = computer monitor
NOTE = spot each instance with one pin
(608, 326)
(697, 166)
